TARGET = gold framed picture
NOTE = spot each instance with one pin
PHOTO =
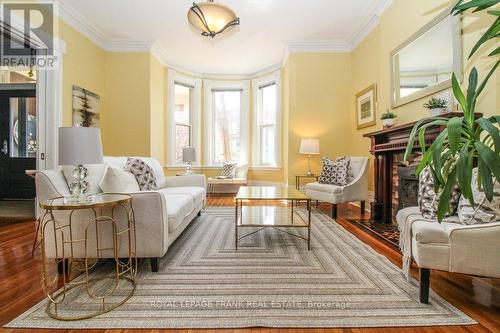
(366, 104)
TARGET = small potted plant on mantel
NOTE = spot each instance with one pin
(437, 106)
(388, 119)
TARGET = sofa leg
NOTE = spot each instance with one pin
(334, 211)
(155, 264)
(424, 285)
(60, 266)
(362, 205)
(199, 213)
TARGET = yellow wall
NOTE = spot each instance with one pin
(83, 65)
(126, 127)
(371, 64)
(319, 92)
(158, 91)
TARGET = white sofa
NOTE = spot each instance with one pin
(448, 246)
(160, 215)
(355, 190)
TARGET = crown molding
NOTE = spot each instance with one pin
(89, 30)
(128, 45)
(373, 14)
(318, 46)
(81, 24)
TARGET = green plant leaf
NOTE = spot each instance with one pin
(489, 34)
(459, 95)
(471, 90)
(464, 171)
(454, 131)
(444, 200)
(494, 12)
(454, 10)
(437, 149)
(416, 127)
(489, 157)
(494, 119)
(483, 84)
(486, 179)
(461, 7)
(486, 125)
(494, 52)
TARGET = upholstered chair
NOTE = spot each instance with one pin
(355, 190)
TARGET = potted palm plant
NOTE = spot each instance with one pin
(468, 139)
(388, 118)
(437, 106)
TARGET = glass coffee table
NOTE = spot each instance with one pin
(248, 214)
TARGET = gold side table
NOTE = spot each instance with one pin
(65, 239)
(298, 177)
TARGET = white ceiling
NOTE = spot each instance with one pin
(269, 29)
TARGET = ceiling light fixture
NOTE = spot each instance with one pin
(212, 18)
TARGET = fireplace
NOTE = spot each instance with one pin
(395, 183)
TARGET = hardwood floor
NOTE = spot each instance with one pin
(20, 285)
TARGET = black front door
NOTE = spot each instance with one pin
(18, 141)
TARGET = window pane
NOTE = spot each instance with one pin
(269, 104)
(182, 94)
(182, 139)
(23, 127)
(268, 145)
(227, 111)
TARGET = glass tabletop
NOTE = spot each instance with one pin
(89, 201)
(269, 193)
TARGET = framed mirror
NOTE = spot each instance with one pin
(424, 63)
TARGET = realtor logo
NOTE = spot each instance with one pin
(27, 37)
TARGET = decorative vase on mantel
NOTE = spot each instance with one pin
(437, 106)
(388, 119)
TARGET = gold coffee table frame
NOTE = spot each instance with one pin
(125, 268)
(248, 194)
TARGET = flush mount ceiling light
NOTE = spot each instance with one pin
(212, 18)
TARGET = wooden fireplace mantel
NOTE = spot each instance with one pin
(384, 144)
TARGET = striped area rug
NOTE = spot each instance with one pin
(271, 281)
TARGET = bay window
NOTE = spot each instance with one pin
(183, 120)
(266, 145)
(226, 122)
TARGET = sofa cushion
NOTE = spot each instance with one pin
(179, 206)
(228, 169)
(428, 200)
(485, 211)
(143, 173)
(196, 193)
(334, 189)
(95, 173)
(334, 172)
(116, 179)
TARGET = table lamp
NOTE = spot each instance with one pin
(189, 156)
(309, 147)
(79, 146)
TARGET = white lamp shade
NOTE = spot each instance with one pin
(309, 146)
(188, 154)
(80, 145)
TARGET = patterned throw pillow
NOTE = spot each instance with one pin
(143, 173)
(428, 201)
(228, 170)
(485, 211)
(334, 171)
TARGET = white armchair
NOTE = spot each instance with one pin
(355, 190)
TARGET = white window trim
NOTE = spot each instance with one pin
(274, 77)
(244, 86)
(195, 115)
